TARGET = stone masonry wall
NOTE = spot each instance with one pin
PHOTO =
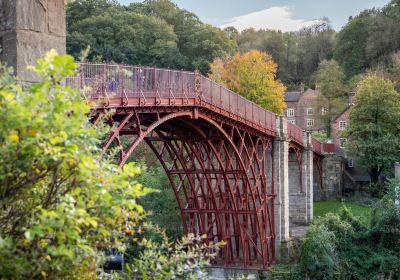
(297, 197)
(28, 29)
(332, 170)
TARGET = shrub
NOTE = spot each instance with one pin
(61, 205)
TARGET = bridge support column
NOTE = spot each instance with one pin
(29, 28)
(301, 183)
(281, 184)
(332, 170)
(308, 180)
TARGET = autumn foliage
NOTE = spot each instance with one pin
(252, 75)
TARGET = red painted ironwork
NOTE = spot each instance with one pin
(328, 148)
(295, 133)
(317, 161)
(213, 144)
(317, 146)
(218, 172)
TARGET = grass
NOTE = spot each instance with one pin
(321, 208)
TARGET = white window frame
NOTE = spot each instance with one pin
(323, 111)
(293, 121)
(310, 123)
(350, 162)
(342, 125)
(342, 142)
(290, 112)
(310, 111)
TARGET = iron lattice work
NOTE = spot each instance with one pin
(218, 173)
(215, 147)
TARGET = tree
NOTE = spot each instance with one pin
(316, 43)
(252, 75)
(125, 37)
(330, 101)
(374, 125)
(198, 43)
(344, 246)
(61, 205)
(297, 54)
(152, 33)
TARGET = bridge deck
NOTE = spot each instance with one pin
(124, 85)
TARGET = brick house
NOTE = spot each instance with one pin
(302, 109)
(353, 173)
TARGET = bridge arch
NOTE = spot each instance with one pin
(217, 172)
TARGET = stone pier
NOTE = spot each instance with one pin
(28, 29)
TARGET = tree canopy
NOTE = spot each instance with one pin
(252, 75)
(374, 125)
(152, 33)
(329, 78)
(59, 201)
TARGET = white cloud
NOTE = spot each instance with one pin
(277, 18)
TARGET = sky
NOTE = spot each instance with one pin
(285, 15)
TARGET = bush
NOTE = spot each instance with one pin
(343, 247)
(318, 256)
(61, 205)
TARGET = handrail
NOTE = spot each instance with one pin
(151, 83)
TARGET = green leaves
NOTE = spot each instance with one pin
(153, 33)
(374, 125)
(59, 201)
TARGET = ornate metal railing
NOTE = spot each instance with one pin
(155, 86)
(317, 145)
(295, 133)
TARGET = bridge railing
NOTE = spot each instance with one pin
(317, 145)
(295, 133)
(219, 96)
(126, 81)
(133, 81)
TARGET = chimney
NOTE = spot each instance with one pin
(351, 98)
(301, 87)
(397, 170)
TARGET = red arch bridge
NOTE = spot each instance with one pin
(240, 173)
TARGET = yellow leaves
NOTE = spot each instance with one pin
(92, 222)
(50, 56)
(13, 137)
(32, 132)
(43, 243)
(252, 75)
(7, 96)
(44, 274)
(78, 229)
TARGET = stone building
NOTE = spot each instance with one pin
(29, 28)
(302, 109)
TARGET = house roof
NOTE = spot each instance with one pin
(362, 178)
(292, 96)
(344, 111)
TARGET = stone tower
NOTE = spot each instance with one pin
(29, 28)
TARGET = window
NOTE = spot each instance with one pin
(292, 121)
(342, 142)
(324, 111)
(342, 125)
(350, 163)
(310, 123)
(310, 111)
(290, 112)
